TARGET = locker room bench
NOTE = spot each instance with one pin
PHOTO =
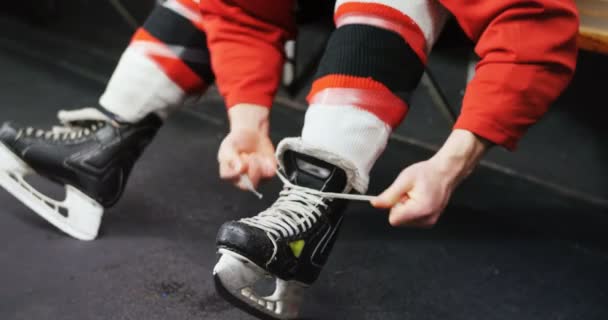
(593, 32)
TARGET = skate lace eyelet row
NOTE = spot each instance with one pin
(296, 210)
(63, 133)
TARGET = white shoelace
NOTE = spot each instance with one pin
(296, 209)
(69, 131)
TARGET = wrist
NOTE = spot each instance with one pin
(460, 154)
(249, 117)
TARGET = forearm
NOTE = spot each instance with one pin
(249, 117)
(528, 56)
(460, 154)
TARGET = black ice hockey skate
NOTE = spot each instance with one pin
(289, 241)
(90, 154)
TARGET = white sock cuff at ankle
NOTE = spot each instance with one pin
(353, 175)
(353, 134)
(139, 87)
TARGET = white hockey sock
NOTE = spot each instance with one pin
(345, 136)
(139, 87)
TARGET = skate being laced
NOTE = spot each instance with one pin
(296, 209)
(75, 125)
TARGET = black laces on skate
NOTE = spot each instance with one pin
(296, 210)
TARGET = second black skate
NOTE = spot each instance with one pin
(90, 154)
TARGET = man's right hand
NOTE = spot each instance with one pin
(247, 149)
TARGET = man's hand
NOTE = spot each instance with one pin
(247, 149)
(422, 191)
(418, 195)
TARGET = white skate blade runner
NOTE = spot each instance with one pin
(238, 276)
(78, 215)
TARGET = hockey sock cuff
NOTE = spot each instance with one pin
(139, 87)
(357, 182)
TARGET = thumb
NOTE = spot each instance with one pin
(395, 193)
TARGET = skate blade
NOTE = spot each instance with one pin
(78, 215)
(235, 277)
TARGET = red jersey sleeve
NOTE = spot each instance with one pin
(528, 55)
(246, 41)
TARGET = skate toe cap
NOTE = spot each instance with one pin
(253, 243)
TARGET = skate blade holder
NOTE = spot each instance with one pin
(78, 215)
(235, 278)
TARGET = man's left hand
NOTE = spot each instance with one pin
(422, 191)
(418, 196)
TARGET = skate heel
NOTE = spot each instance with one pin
(235, 278)
(78, 215)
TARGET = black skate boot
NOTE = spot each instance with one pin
(91, 155)
(290, 241)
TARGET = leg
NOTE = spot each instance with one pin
(166, 62)
(373, 60)
(93, 153)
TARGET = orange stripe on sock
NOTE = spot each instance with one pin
(344, 81)
(172, 66)
(363, 93)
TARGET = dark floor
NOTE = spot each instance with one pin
(492, 257)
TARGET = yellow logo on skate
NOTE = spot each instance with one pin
(296, 247)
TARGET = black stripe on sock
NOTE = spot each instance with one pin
(368, 51)
(173, 29)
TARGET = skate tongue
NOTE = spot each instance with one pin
(310, 172)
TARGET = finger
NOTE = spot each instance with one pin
(253, 173)
(396, 192)
(227, 151)
(232, 169)
(255, 170)
(239, 183)
(408, 212)
(269, 165)
(420, 223)
(231, 164)
(227, 172)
